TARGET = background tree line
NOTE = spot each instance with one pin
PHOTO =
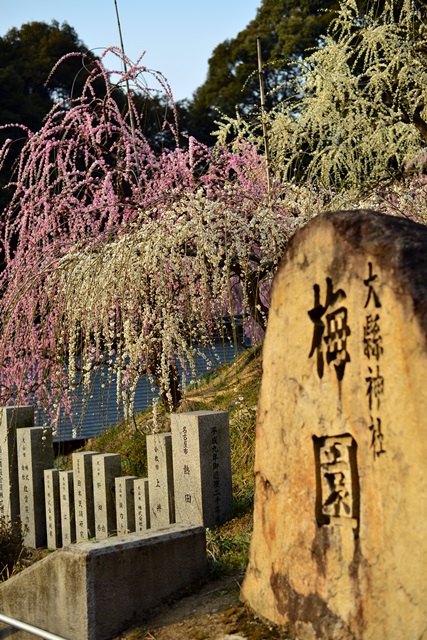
(126, 249)
(287, 29)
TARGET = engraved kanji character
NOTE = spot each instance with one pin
(377, 437)
(372, 338)
(375, 387)
(337, 330)
(371, 292)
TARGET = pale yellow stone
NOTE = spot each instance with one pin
(363, 575)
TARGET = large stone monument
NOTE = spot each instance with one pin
(339, 547)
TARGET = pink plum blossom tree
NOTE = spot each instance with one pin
(120, 257)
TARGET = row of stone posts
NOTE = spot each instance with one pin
(189, 481)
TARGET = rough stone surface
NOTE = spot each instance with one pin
(202, 467)
(95, 590)
(339, 548)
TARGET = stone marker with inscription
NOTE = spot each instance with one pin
(106, 468)
(53, 514)
(202, 467)
(12, 418)
(35, 454)
(160, 479)
(339, 547)
(142, 505)
(66, 501)
(125, 504)
(83, 495)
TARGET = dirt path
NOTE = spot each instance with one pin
(213, 613)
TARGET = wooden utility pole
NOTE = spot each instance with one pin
(263, 118)
(131, 114)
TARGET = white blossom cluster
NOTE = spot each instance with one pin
(158, 293)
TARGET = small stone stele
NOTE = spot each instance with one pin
(35, 455)
(66, 501)
(106, 467)
(83, 494)
(11, 419)
(125, 504)
(202, 467)
(160, 480)
(339, 548)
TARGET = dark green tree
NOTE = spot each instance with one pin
(288, 29)
(27, 56)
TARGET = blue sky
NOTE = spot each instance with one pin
(177, 35)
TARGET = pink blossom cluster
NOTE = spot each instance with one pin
(119, 256)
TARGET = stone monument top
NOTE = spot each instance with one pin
(339, 547)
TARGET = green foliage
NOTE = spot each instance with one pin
(128, 441)
(228, 549)
(287, 28)
(358, 114)
(11, 546)
(27, 56)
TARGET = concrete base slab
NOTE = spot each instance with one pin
(95, 590)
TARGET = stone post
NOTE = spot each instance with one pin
(66, 501)
(35, 454)
(11, 419)
(142, 505)
(83, 495)
(106, 468)
(125, 504)
(160, 479)
(53, 515)
(202, 467)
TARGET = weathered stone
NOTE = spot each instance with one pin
(339, 548)
(35, 454)
(66, 501)
(202, 467)
(83, 495)
(106, 468)
(97, 590)
(160, 479)
(125, 504)
(12, 418)
(142, 505)
(53, 515)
